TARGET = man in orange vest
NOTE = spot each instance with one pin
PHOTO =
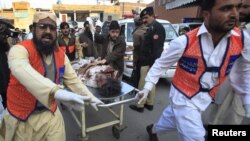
(205, 57)
(38, 70)
(227, 107)
(70, 44)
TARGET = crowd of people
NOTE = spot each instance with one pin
(37, 71)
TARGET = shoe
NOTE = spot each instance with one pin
(134, 107)
(152, 136)
(149, 107)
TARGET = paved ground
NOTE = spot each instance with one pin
(134, 121)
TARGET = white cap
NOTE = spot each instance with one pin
(42, 15)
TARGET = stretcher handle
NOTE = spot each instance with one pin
(116, 103)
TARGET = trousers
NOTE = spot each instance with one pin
(151, 96)
(44, 126)
(185, 119)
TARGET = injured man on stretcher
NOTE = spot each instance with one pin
(102, 77)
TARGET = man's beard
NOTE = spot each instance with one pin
(114, 39)
(246, 18)
(221, 27)
(65, 33)
(44, 48)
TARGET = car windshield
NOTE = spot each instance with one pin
(170, 32)
(130, 27)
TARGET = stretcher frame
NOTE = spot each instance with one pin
(116, 123)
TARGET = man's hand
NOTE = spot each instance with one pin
(98, 59)
(94, 102)
(247, 110)
(130, 48)
(84, 44)
(72, 100)
(103, 61)
(142, 95)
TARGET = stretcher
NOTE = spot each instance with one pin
(108, 104)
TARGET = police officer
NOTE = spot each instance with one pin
(150, 50)
(138, 37)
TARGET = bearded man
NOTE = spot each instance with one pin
(114, 47)
(228, 107)
(38, 70)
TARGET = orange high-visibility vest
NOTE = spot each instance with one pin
(20, 102)
(71, 46)
(192, 65)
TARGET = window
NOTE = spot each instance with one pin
(130, 29)
(81, 17)
(170, 32)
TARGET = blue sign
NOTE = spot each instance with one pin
(22, 14)
(191, 20)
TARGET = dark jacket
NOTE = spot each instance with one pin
(89, 51)
(105, 28)
(4, 71)
(153, 44)
(138, 37)
(89, 34)
(98, 47)
(116, 57)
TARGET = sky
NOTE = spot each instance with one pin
(48, 3)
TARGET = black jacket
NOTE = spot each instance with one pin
(152, 45)
(4, 72)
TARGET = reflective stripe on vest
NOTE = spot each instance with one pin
(20, 102)
(192, 65)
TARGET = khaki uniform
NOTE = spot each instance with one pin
(150, 50)
(151, 96)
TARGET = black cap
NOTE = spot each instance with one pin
(114, 25)
(64, 25)
(86, 23)
(147, 11)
